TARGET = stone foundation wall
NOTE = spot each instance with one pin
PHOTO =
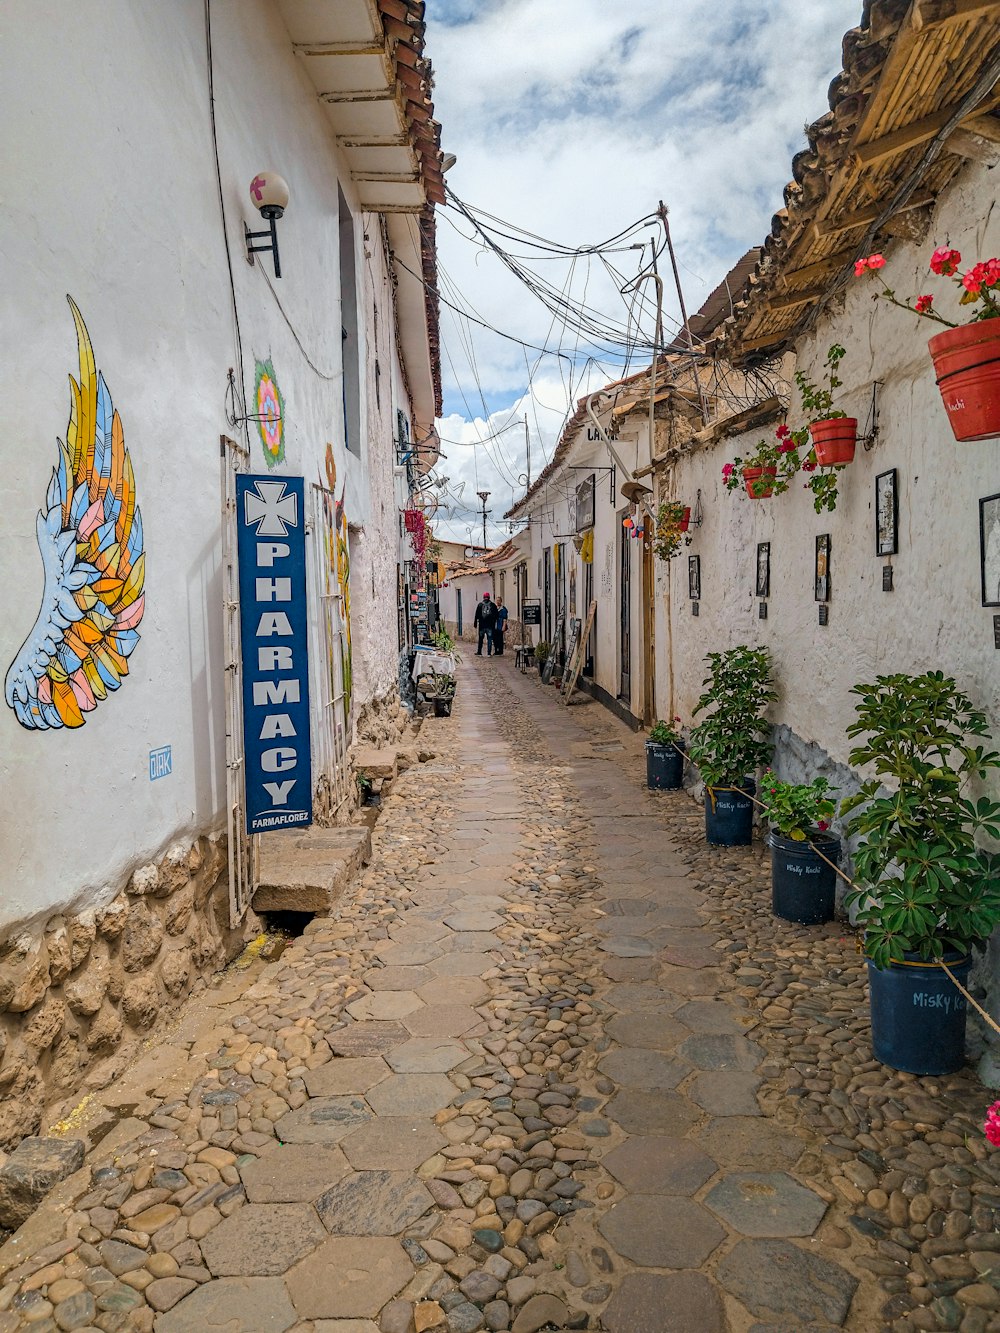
(381, 722)
(77, 992)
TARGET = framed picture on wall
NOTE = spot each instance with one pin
(694, 577)
(822, 593)
(763, 569)
(886, 513)
(989, 547)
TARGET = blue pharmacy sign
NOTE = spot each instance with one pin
(271, 546)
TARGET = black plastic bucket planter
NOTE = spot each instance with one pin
(803, 885)
(918, 1015)
(729, 815)
(664, 766)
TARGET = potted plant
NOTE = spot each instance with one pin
(834, 433)
(966, 356)
(672, 522)
(664, 757)
(542, 651)
(926, 893)
(732, 742)
(758, 472)
(803, 852)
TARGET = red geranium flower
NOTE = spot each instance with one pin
(945, 261)
(727, 471)
(923, 304)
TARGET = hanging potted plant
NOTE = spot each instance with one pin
(672, 522)
(834, 434)
(966, 356)
(926, 893)
(732, 742)
(758, 473)
(804, 854)
(664, 757)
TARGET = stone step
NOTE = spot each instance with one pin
(306, 870)
(371, 763)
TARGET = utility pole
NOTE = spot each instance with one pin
(527, 449)
(661, 213)
(484, 496)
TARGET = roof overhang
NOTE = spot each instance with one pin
(365, 60)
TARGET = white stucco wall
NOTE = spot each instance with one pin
(934, 618)
(108, 137)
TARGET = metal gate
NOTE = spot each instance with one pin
(242, 847)
(330, 655)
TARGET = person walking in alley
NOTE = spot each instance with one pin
(485, 621)
(500, 627)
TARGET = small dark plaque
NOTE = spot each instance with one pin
(531, 612)
(824, 615)
(887, 578)
(762, 611)
(696, 608)
(996, 631)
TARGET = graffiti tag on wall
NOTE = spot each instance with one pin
(270, 413)
(90, 539)
(339, 561)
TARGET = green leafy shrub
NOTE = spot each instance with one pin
(797, 810)
(924, 886)
(733, 740)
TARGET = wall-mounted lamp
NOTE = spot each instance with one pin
(269, 195)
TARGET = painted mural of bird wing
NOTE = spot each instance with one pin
(90, 538)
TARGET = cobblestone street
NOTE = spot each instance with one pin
(551, 1065)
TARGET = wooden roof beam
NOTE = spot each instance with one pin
(985, 126)
(973, 146)
(862, 217)
(930, 13)
(820, 268)
(917, 132)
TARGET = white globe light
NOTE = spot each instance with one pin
(269, 194)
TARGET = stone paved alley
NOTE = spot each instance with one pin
(551, 1065)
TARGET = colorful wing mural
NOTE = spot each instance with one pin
(90, 538)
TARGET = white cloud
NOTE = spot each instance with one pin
(572, 121)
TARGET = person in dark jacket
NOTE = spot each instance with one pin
(500, 627)
(485, 621)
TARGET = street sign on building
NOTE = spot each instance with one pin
(270, 515)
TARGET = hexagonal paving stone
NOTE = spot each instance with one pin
(409, 955)
(685, 981)
(658, 1032)
(775, 1277)
(463, 965)
(634, 997)
(623, 925)
(722, 1052)
(412, 1094)
(397, 978)
(629, 969)
(627, 946)
(481, 902)
(442, 1020)
(420, 931)
(642, 1112)
(681, 920)
(427, 1055)
(738, 1141)
(385, 1004)
(726, 1094)
(660, 1166)
(454, 990)
(346, 1075)
(261, 1239)
(373, 1203)
(633, 1067)
(771, 1203)
(237, 1304)
(689, 955)
(367, 1038)
(472, 941)
(714, 1017)
(349, 1277)
(323, 1120)
(392, 1144)
(664, 1303)
(628, 906)
(661, 1231)
(296, 1173)
(483, 919)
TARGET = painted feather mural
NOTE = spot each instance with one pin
(90, 538)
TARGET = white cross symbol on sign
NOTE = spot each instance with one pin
(271, 509)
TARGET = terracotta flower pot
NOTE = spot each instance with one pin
(834, 440)
(759, 481)
(685, 522)
(967, 369)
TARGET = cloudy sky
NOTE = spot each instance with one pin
(571, 121)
